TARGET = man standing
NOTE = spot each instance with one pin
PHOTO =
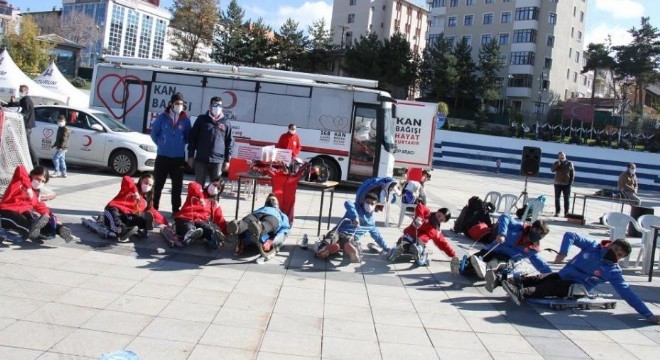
(209, 143)
(27, 110)
(628, 184)
(564, 176)
(290, 140)
(170, 132)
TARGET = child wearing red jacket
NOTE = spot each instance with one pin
(425, 227)
(22, 209)
(131, 211)
(200, 210)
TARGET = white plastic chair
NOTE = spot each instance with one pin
(404, 210)
(506, 204)
(618, 225)
(534, 208)
(493, 197)
(645, 222)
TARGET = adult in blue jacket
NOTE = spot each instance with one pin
(516, 241)
(210, 143)
(358, 220)
(267, 226)
(384, 188)
(170, 132)
(595, 264)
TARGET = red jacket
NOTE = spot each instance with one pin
(127, 203)
(199, 207)
(427, 231)
(16, 197)
(291, 142)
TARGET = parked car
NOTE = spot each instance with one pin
(96, 139)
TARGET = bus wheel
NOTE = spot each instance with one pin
(328, 167)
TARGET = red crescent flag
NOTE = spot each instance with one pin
(578, 111)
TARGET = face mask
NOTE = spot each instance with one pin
(368, 208)
(36, 184)
(216, 111)
(610, 255)
(22, 94)
(61, 123)
(631, 171)
(177, 109)
(534, 236)
(292, 132)
(212, 190)
(146, 188)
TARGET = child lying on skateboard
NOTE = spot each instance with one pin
(200, 216)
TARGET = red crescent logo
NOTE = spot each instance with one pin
(234, 99)
(89, 140)
(48, 133)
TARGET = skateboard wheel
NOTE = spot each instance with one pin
(612, 305)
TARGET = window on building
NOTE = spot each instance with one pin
(506, 17)
(468, 39)
(547, 64)
(502, 60)
(552, 18)
(581, 16)
(527, 13)
(116, 29)
(550, 41)
(468, 20)
(352, 2)
(351, 18)
(568, 74)
(524, 36)
(577, 57)
(450, 40)
(453, 3)
(504, 39)
(488, 1)
(570, 53)
(575, 76)
(432, 39)
(130, 39)
(579, 36)
(488, 19)
(469, 2)
(520, 80)
(522, 57)
(451, 21)
(485, 39)
(574, 11)
(438, 3)
(572, 32)
(145, 36)
(159, 39)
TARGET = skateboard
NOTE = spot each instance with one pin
(95, 225)
(171, 238)
(584, 303)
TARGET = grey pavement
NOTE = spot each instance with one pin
(82, 299)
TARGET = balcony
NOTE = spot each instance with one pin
(525, 24)
(515, 47)
(518, 92)
(521, 69)
(526, 3)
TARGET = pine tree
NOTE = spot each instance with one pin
(231, 38)
(438, 71)
(489, 67)
(259, 49)
(464, 90)
(290, 45)
(362, 59)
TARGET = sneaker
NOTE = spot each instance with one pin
(65, 233)
(393, 254)
(305, 242)
(566, 215)
(126, 233)
(513, 291)
(192, 235)
(36, 227)
(327, 250)
(479, 266)
(491, 280)
(55, 174)
(455, 265)
(557, 214)
(255, 229)
(64, 175)
(352, 252)
(232, 227)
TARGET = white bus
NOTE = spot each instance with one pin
(345, 123)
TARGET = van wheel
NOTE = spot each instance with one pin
(329, 168)
(123, 162)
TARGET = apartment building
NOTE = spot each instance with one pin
(354, 18)
(541, 41)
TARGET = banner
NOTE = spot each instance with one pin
(578, 111)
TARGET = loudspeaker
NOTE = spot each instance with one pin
(531, 161)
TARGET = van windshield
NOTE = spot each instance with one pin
(111, 123)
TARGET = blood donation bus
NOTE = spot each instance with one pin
(356, 130)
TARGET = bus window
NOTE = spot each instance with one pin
(389, 126)
(364, 146)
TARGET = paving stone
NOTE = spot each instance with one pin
(338, 348)
(91, 343)
(175, 330)
(31, 335)
(118, 322)
(62, 314)
(157, 349)
(556, 347)
(347, 329)
(12, 353)
(300, 345)
(399, 351)
(296, 324)
(229, 336)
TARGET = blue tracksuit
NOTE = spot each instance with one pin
(170, 136)
(367, 224)
(283, 219)
(590, 269)
(374, 184)
(513, 247)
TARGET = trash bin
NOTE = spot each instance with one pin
(636, 212)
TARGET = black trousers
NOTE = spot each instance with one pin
(207, 170)
(545, 286)
(562, 189)
(269, 223)
(181, 227)
(116, 220)
(172, 167)
(33, 153)
(19, 222)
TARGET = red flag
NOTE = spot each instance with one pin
(578, 111)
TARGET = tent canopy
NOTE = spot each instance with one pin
(52, 79)
(11, 77)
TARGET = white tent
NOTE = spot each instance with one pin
(52, 79)
(11, 77)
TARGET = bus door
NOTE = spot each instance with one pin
(365, 151)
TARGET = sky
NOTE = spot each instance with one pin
(604, 17)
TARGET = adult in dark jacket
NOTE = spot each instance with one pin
(209, 143)
(170, 132)
(27, 110)
(564, 176)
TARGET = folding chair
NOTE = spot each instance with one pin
(618, 225)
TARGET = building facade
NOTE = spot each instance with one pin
(541, 41)
(8, 17)
(354, 18)
(134, 28)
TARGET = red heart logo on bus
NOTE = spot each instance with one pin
(120, 83)
(48, 133)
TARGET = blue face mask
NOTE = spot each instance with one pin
(534, 236)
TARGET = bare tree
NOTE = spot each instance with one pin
(192, 26)
(80, 28)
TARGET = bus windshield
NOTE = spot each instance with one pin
(389, 127)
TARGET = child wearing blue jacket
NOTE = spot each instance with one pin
(358, 220)
(266, 227)
(596, 263)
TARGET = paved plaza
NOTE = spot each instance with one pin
(82, 299)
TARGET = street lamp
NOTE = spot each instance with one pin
(343, 29)
(539, 103)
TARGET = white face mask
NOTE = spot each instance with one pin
(212, 190)
(22, 94)
(61, 123)
(36, 184)
(145, 188)
(631, 171)
(368, 208)
(177, 109)
(216, 111)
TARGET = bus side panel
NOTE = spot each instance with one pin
(238, 96)
(282, 104)
(332, 110)
(414, 134)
